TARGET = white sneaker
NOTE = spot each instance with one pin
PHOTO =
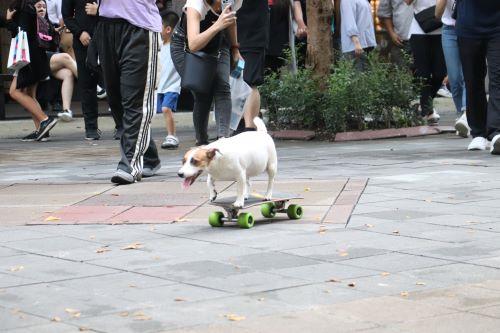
(495, 145)
(444, 92)
(478, 143)
(433, 119)
(66, 115)
(171, 142)
(462, 126)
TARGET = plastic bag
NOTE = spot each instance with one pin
(19, 53)
(240, 91)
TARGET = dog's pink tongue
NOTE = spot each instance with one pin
(186, 183)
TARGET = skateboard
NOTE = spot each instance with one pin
(268, 209)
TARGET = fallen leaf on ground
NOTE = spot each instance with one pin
(327, 291)
(181, 220)
(83, 329)
(180, 299)
(428, 200)
(307, 189)
(52, 218)
(351, 284)
(334, 280)
(420, 283)
(124, 314)
(56, 319)
(139, 315)
(396, 232)
(73, 312)
(383, 285)
(115, 195)
(368, 225)
(404, 294)
(133, 246)
(102, 250)
(156, 258)
(152, 228)
(234, 317)
(385, 273)
(92, 237)
(261, 299)
(132, 285)
(16, 268)
(322, 231)
(343, 254)
(472, 222)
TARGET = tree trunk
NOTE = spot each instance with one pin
(319, 39)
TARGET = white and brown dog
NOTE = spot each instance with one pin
(233, 159)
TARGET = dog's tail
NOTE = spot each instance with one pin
(261, 127)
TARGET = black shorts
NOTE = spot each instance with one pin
(255, 61)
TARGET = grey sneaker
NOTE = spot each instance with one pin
(66, 115)
(150, 172)
(171, 142)
(122, 178)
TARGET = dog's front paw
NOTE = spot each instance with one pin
(238, 204)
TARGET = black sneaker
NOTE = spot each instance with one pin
(117, 134)
(93, 135)
(30, 137)
(46, 137)
(45, 127)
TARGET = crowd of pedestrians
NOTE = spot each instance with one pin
(143, 53)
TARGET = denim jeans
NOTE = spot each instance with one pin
(454, 67)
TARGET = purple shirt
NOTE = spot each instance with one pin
(141, 13)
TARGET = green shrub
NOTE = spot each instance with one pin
(379, 97)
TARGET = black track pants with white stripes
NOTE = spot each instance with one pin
(129, 59)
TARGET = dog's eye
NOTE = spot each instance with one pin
(195, 162)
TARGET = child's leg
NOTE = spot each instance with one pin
(169, 120)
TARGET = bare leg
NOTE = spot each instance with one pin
(68, 83)
(67, 44)
(63, 60)
(27, 101)
(252, 107)
(169, 120)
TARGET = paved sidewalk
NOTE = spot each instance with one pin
(421, 252)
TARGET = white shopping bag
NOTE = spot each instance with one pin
(19, 53)
(240, 91)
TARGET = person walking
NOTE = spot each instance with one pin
(25, 81)
(427, 54)
(396, 17)
(357, 31)
(203, 29)
(82, 26)
(253, 35)
(444, 9)
(478, 31)
(128, 45)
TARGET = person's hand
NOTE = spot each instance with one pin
(396, 39)
(60, 29)
(301, 31)
(236, 55)
(91, 8)
(226, 19)
(358, 49)
(85, 38)
(10, 14)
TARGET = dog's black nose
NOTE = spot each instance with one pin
(180, 174)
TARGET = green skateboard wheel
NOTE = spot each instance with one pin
(294, 212)
(215, 219)
(245, 220)
(268, 209)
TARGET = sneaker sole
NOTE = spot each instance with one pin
(170, 147)
(120, 180)
(153, 172)
(66, 118)
(462, 130)
(47, 129)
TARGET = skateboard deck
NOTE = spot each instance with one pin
(269, 208)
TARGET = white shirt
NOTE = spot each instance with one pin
(170, 80)
(202, 7)
(447, 19)
(54, 11)
(418, 6)
(357, 21)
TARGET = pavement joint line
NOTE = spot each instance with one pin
(93, 196)
(335, 200)
(58, 281)
(454, 261)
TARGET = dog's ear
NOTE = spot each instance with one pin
(212, 152)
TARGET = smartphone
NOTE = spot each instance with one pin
(227, 3)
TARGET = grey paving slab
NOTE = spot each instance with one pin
(20, 234)
(56, 299)
(490, 262)
(50, 328)
(44, 269)
(455, 273)
(11, 318)
(490, 311)
(454, 219)
(6, 252)
(272, 260)
(11, 280)
(460, 251)
(337, 251)
(245, 283)
(395, 262)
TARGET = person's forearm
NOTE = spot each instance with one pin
(233, 35)
(440, 7)
(388, 24)
(298, 15)
(197, 40)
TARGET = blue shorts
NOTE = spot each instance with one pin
(167, 100)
